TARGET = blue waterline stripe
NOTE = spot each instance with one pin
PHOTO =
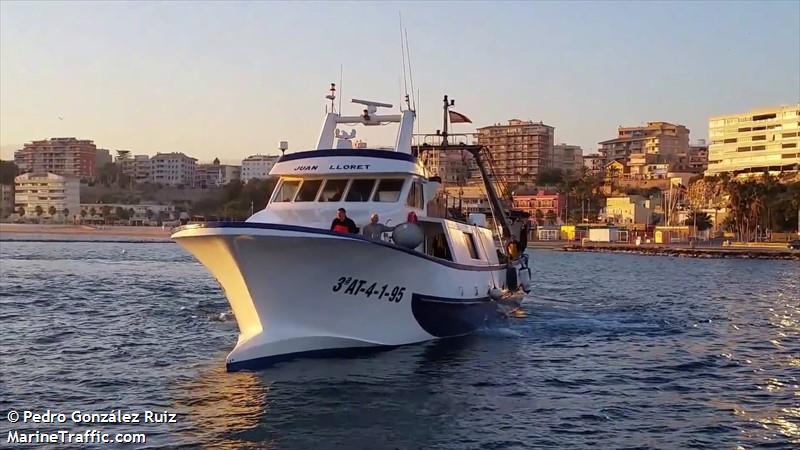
(355, 237)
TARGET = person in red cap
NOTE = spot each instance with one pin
(412, 217)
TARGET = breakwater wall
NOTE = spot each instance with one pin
(739, 253)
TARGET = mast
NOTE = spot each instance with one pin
(494, 200)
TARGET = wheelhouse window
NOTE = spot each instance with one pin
(469, 241)
(360, 190)
(308, 191)
(388, 190)
(333, 190)
(286, 191)
(415, 195)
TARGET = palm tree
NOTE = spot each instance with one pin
(65, 211)
(700, 220)
(39, 212)
(92, 211)
(51, 211)
(21, 211)
(106, 212)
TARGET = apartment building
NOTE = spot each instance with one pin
(519, 149)
(141, 168)
(257, 166)
(756, 141)
(215, 174)
(46, 191)
(594, 163)
(663, 139)
(567, 158)
(172, 169)
(60, 156)
(453, 167)
(102, 157)
(695, 161)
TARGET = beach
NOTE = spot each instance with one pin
(84, 230)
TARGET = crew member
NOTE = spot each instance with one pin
(342, 223)
(374, 229)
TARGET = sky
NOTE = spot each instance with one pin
(227, 80)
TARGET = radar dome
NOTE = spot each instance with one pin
(408, 235)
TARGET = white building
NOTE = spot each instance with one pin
(755, 141)
(47, 190)
(257, 166)
(172, 169)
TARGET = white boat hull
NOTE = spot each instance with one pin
(296, 290)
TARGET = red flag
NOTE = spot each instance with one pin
(458, 117)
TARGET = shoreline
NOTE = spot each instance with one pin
(686, 252)
(141, 232)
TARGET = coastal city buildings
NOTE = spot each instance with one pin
(628, 210)
(136, 214)
(102, 157)
(453, 167)
(257, 166)
(47, 195)
(695, 160)
(469, 199)
(663, 140)
(519, 149)
(61, 156)
(141, 168)
(543, 205)
(6, 200)
(755, 141)
(567, 158)
(172, 169)
(594, 163)
(215, 174)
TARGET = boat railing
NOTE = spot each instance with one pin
(436, 140)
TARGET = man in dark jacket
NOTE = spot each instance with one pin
(342, 223)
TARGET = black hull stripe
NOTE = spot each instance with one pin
(355, 237)
(443, 317)
(348, 153)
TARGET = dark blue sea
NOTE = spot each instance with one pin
(611, 351)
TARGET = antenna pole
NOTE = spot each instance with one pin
(341, 78)
(403, 57)
(444, 121)
(410, 73)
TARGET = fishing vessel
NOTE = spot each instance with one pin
(296, 286)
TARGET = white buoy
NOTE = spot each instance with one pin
(408, 235)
